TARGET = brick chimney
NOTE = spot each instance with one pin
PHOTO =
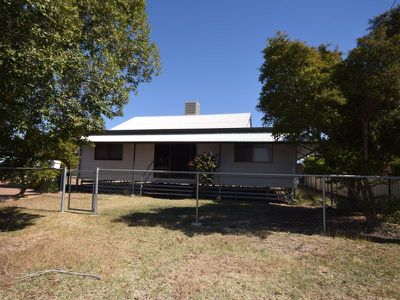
(192, 108)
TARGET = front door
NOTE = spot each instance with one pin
(173, 157)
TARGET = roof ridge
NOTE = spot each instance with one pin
(201, 115)
(187, 121)
(189, 131)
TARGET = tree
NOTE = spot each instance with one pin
(299, 96)
(65, 65)
(370, 80)
(349, 108)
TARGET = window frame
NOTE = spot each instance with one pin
(236, 160)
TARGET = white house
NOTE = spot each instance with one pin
(170, 142)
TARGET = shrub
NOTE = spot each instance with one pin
(45, 180)
(40, 180)
(204, 162)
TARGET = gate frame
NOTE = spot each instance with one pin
(93, 208)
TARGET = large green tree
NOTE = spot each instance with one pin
(348, 107)
(65, 65)
(299, 96)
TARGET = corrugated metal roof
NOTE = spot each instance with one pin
(189, 138)
(242, 120)
(188, 131)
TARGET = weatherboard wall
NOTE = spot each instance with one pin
(283, 162)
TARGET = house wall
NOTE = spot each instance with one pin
(88, 162)
(208, 147)
(143, 158)
(284, 161)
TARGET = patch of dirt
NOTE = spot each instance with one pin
(8, 193)
(14, 246)
(24, 243)
(296, 245)
(356, 225)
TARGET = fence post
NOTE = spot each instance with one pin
(69, 188)
(197, 223)
(323, 204)
(64, 184)
(95, 192)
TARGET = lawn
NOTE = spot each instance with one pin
(147, 249)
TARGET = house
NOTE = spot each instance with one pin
(169, 143)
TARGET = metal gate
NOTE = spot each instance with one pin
(80, 190)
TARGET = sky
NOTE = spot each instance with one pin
(211, 50)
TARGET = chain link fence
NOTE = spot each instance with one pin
(31, 188)
(355, 204)
(331, 204)
(147, 197)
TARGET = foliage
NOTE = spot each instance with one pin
(204, 162)
(395, 166)
(307, 196)
(299, 96)
(349, 108)
(370, 80)
(39, 179)
(64, 66)
(395, 217)
(45, 180)
(315, 165)
(68, 151)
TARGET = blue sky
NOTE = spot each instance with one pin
(211, 49)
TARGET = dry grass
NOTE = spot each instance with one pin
(163, 258)
(34, 201)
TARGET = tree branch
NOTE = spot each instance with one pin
(28, 276)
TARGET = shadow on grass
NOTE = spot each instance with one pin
(257, 218)
(354, 225)
(12, 219)
(232, 217)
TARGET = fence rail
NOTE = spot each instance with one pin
(297, 202)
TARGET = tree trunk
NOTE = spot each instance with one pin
(366, 189)
(353, 193)
(365, 139)
(369, 203)
(21, 192)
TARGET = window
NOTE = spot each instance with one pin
(108, 151)
(249, 152)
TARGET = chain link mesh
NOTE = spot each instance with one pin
(80, 190)
(219, 201)
(147, 197)
(248, 201)
(31, 188)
